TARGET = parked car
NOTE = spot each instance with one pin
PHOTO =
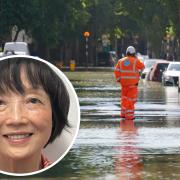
(172, 74)
(148, 65)
(16, 48)
(157, 70)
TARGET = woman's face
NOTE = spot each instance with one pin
(25, 122)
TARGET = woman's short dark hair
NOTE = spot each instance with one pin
(39, 74)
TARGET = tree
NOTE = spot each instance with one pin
(147, 19)
(57, 26)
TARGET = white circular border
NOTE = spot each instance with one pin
(65, 80)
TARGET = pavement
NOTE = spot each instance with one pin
(80, 68)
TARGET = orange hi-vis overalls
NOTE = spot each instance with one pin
(127, 73)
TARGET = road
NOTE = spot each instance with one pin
(108, 147)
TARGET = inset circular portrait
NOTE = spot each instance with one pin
(39, 115)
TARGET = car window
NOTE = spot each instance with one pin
(149, 63)
(162, 66)
(174, 67)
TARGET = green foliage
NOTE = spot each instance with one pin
(53, 22)
(47, 21)
(118, 33)
(14, 13)
(173, 10)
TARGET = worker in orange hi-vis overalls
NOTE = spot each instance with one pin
(127, 73)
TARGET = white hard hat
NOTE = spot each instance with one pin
(130, 50)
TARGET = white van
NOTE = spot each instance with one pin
(19, 48)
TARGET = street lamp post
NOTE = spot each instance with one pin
(86, 35)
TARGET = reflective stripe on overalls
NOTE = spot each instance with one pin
(128, 99)
(134, 71)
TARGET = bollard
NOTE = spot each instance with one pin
(179, 84)
(72, 65)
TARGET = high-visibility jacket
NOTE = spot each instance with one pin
(127, 70)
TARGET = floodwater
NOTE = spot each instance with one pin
(108, 148)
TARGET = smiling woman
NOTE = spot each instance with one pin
(34, 108)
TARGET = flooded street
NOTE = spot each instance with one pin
(109, 148)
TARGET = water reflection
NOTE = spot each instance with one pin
(128, 162)
(104, 150)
